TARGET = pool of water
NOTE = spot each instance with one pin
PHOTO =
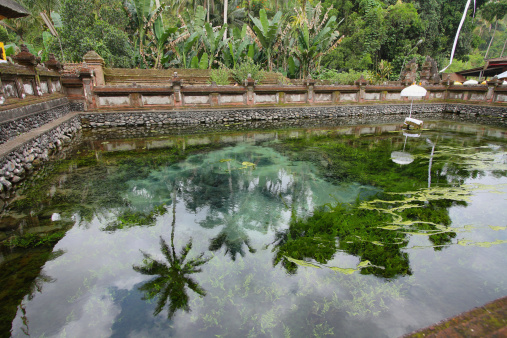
(354, 231)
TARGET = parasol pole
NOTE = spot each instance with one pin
(411, 103)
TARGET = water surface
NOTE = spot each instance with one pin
(348, 231)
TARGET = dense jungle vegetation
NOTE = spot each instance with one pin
(333, 39)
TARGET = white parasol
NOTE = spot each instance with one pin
(402, 157)
(471, 82)
(413, 91)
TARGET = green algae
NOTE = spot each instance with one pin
(466, 242)
(498, 228)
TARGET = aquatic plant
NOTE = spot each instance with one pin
(33, 240)
(129, 218)
(355, 230)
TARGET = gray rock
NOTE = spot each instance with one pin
(6, 184)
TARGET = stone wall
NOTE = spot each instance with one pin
(19, 163)
(23, 119)
(160, 118)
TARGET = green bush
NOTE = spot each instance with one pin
(220, 76)
(241, 71)
(343, 78)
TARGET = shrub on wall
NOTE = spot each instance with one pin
(220, 76)
(342, 78)
(241, 71)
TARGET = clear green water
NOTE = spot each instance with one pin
(294, 233)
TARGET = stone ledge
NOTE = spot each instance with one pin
(32, 107)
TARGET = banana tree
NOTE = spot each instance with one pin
(160, 38)
(312, 44)
(213, 41)
(267, 32)
(238, 47)
(183, 51)
(193, 22)
(141, 13)
(200, 63)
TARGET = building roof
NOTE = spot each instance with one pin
(10, 9)
(491, 68)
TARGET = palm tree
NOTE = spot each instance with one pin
(492, 12)
(172, 276)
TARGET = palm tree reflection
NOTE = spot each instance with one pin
(172, 276)
(233, 236)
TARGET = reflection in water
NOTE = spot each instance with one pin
(312, 232)
(242, 189)
(172, 277)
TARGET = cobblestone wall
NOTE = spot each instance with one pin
(23, 119)
(19, 163)
(126, 119)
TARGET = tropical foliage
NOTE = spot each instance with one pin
(296, 38)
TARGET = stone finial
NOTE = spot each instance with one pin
(361, 81)
(176, 80)
(25, 58)
(52, 63)
(494, 82)
(93, 58)
(85, 71)
(249, 81)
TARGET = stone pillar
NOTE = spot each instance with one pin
(490, 95)
(446, 81)
(362, 88)
(2, 92)
(86, 74)
(54, 65)
(336, 96)
(310, 84)
(135, 100)
(176, 84)
(214, 99)
(28, 60)
(281, 97)
(96, 63)
(250, 95)
(20, 87)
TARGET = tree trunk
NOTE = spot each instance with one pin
(226, 4)
(207, 11)
(503, 49)
(490, 41)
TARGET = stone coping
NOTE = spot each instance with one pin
(489, 320)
